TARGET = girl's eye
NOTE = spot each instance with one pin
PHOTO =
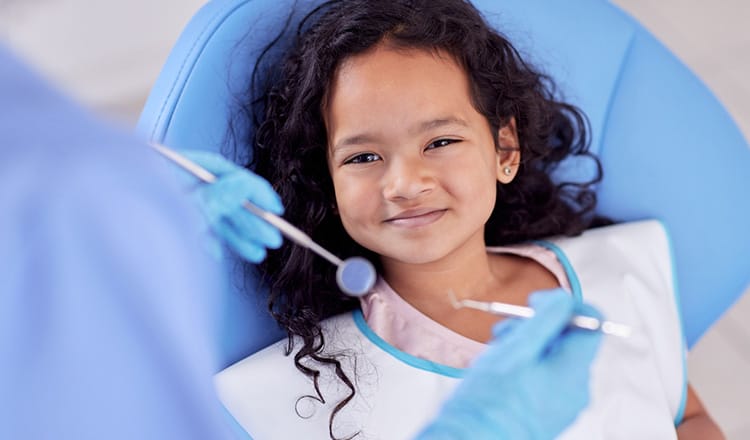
(363, 158)
(441, 143)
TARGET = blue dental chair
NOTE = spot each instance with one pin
(669, 149)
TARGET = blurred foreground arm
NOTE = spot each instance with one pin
(106, 318)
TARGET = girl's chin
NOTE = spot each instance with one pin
(411, 258)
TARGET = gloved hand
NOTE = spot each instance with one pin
(221, 203)
(530, 383)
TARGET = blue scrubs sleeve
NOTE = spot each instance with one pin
(107, 317)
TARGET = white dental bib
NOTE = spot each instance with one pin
(638, 385)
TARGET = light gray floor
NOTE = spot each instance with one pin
(108, 53)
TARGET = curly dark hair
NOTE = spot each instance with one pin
(290, 145)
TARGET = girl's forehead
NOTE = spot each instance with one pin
(386, 54)
(388, 90)
(385, 74)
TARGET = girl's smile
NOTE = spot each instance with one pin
(414, 218)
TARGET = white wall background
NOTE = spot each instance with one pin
(107, 54)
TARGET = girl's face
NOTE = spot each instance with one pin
(414, 165)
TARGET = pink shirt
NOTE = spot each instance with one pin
(409, 330)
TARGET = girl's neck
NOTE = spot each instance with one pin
(468, 271)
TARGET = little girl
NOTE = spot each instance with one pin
(413, 133)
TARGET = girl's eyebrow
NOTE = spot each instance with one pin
(439, 122)
(358, 139)
(364, 138)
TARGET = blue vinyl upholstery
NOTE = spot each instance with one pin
(669, 149)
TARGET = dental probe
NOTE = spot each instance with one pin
(355, 276)
(512, 310)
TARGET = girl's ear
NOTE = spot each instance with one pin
(508, 152)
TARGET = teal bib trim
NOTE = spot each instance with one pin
(575, 285)
(402, 356)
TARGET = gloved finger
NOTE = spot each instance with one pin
(255, 228)
(542, 298)
(223, 197)
(531, 337)
(214, 206)
(233, 189)
(553, 310)
(256, 189)
(576, 345)
(212, 162)
(244, 247)
(499, 349)
(507, 325)
(572, 356)
(504, 327)
(585, 309)
(241, 182)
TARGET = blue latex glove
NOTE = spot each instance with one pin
(221, 203)
(532, 381)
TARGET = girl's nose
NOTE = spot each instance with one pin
(407, 179)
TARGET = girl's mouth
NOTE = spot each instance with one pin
(416, 218)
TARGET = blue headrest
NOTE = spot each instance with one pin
(669, 149)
